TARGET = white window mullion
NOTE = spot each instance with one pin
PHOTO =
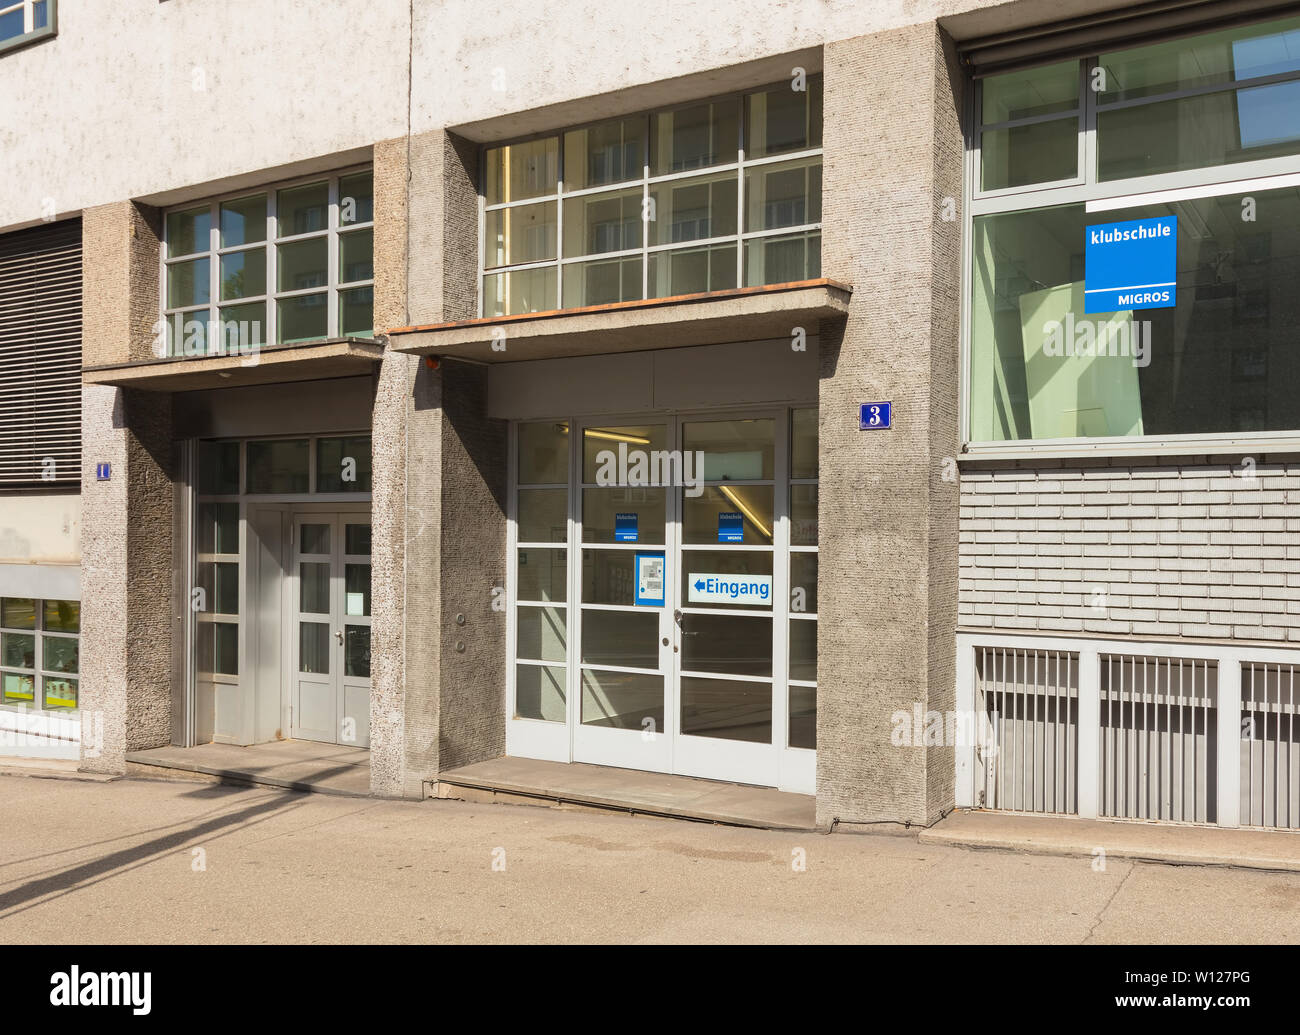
(332, 257)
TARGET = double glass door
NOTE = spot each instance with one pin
(653, 596)
(331, 641)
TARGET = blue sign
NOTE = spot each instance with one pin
(1130, 265)
(873, 416)
(103, 471)
(625, 528)
(731, 527)
(650, 580)
(710, 588)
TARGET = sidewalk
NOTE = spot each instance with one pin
(1154, 842)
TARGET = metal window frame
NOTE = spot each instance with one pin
(1099, 196)
(38, 671)
(30, 33)
(271, 297)
(739, 166)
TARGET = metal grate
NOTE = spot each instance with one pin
(1270, 752)
(1158, 738)
(1029, 703)
(40, 355)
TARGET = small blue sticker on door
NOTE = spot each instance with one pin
(874, 416)
(731, 527)
(625, 528)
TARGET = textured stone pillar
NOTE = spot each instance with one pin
(127, 520)
(438, 657)
(888, 520)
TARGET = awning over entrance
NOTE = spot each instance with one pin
(709, 318)
(276, 364)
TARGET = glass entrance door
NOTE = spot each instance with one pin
(330, 643)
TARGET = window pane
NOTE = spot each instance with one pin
(541, 633)
(60, 693)
(539, 692)
(357, 199)
(315, 539)
(623, 700)
(189, 231)
(357, 312)
(356, 540)
(356, 651)
(542, 574)
(18, 688)
(734, 450)
(783, 260)
(243, 221)
(243, 274)
(11, 24)
(609, 577)
(242, 326)
(218, 528)
(783, 195)
(314, 648)
(803, 650)
(803, 717)
(1034, 91)
(694, 137)
(521, 291)
(596, 223)
(187, 283)
(278, 466)
(1221, 360)
(303, 317)
(544, 453)
(356, 256)
(1195, 132)
(738, 645)
(220, 585)
(343, 464)
(803, 443)
(522, 170)
(702, 520)
(218, 648)
(59, 654)
(727, 709)
(629, 639)
(17, 613)
(18, 650)
(314, 587)
(600, 454)
(303, 264)
(1244, 52)
(543, 515)
(693, 210)
(62, 615)
(784, 119)
(623, 515)
(303, 210)
(219, 468)
(1038, 153)
(189, 333)
(803, 515)
(602, 281)
(608, 153)
(689, 271)
(803, 583)
(518, 235)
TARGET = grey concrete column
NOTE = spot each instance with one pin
(888, 520)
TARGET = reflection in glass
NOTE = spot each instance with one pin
(18, 688)
(356, 539)
(541, 634)
(694, 137)
(609, 577)
(543, 515)
(789, 194)
(356, 587)
(597, 223)
(701, 515)
(343, 464)
(803, 649)
(314, 587)
(524, 170)
(628, 639)
(188, 231)
(606, 153)
(18, 650)
(601, 507)
(783, 119)
(1041, 152)
(218, 468)
(525, 233)
(694, 209)
(544, 453)
(18, 613)
(601, 451)
(357, 198)
(623, 700)
(727, 709)
(59, 653)
(356, 651)
(689, 271)
(519, 291)
(218, 528)
(313, 538)
(803, 515)
(303, 210)
(542, 575)
(783, 260)
(60, 693)
(278, 466)
(734, 450)
(803, 583)
(803, 443)
(243, 274)
(602, 282)
(303, 317)
(63, 615)
(803, 717)
(737, 645)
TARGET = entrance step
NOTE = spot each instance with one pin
(292, 765)
(527, 781)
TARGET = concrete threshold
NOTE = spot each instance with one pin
(292, 765)
(531, 782)
(1175, 843)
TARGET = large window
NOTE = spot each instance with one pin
(705, 197)
(1199, 135)
(39, 653)
(25, 21)
(294, 263)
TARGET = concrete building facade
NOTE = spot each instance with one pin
(707, 394)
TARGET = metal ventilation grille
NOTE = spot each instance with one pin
(1270, 752)
(1159, 735)
(1028, 701)
(40, 356)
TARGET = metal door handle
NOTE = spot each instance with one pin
(339, 634)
